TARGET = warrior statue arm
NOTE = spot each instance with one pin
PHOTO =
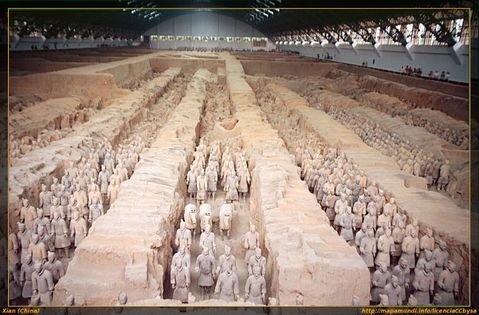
(197, 265)
(177, 239)
(218, 286)
(34, 285)
(187, 280)
(173, 278)
(440, 281)
(456, 284)
(85, 228)
(50, 283)
(22, 276)
(236, 288)
(65, 228)
(263, 290)
(247, 288)
(431, 286)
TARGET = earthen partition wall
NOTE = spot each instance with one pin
(277, 68)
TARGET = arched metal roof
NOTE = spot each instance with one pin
(271, 17)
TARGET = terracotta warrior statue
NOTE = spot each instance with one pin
(339, 209)
(206, 216)
(55, 187)
(96, 211)
(402, 272)
(448, 285)
(56, 208)
(201, 186)
(257, 260)
(14, 289)
(207, 240)
(205, 265)
(24, 237)
(329, 201)
(398, 235)
(443, 176)
(64, 198)
(441, 258)
(212, 181)
(426, 242)
(379, 280)
(103, 182)
(244, 179)
(410, 248)
(227, 260)
(399, 219)
(227, 286)
(78, 228)
(45, 200)
(391, 206)
(42, 284)
(94, 195)
(383, 300)
(12, 253)
(385, 246)
(371, 219)
(231, 187)
(183, 256)
(368, 248)
(37, 249)
(81, 201)
(69, 210)
(251, 241)
(180, 281)
(113, 189)
(28, 214)
(413, 226)
(62, 240)
(347, 225)
(183, 236)
(226, 216)
(359, 210)
(360, 235)
(423, 284)
(190, 218)
(255, 288)
(41, 221)
(394, 292)
(45, 238)
(55, 266)
(385, 219)
(191, 182)
(26, 277)
(427, 260)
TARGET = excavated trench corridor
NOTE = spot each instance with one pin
(217, 126)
